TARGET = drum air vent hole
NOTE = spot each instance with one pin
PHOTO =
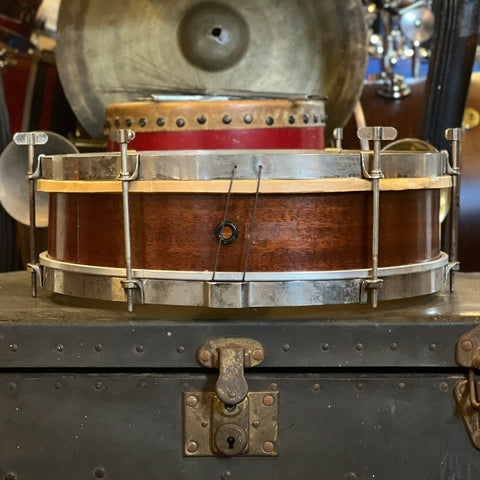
(216, 32)
(226, 232)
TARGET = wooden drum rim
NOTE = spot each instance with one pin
(215, 115)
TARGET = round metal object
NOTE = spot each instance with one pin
(14, 183)
(226, 232)
(268, 447)
(192, 447)
(257, 355)
(192, 400)
(466, 345)
(230, 439)
(268, 400)
(417, 24)
(118, 51)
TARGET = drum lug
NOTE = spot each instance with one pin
(230, 421)
(467, 391)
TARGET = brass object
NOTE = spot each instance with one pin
(417, 145)
(114, 52)
(471, 118)
(230, 356)
(249, 428)
(467, 392)
(470, 414)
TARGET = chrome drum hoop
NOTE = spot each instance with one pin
(217, 165)
(288, 289)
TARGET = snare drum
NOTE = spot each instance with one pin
(221, 124)
(304, 239)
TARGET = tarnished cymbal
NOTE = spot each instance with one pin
(112, 51)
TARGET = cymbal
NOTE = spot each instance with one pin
(113, 51)
(14, 189)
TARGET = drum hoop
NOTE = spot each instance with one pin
(145, 274)
(403, 282)
(217, 165)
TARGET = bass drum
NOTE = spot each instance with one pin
(212, 124)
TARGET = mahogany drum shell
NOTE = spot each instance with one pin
(292, 232)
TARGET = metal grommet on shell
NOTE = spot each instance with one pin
(226, 232)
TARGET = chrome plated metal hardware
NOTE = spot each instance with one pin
(377, 134)
(124, 137)
(338, 136)
(31, 139)
(455, 135)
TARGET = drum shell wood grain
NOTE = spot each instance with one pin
(292, 232)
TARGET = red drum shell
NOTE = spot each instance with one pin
(221, 124)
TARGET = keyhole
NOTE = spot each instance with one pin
(230, 441)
